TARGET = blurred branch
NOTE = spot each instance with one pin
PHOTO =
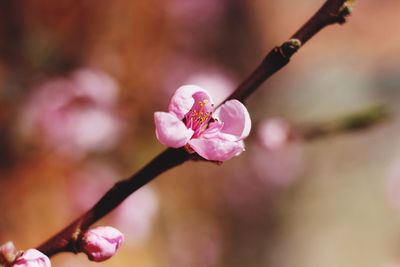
(357, 121)
(67, 240)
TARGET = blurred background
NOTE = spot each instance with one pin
(80, 81)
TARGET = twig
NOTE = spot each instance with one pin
(360, 120)
(333, 11)
(67, 240)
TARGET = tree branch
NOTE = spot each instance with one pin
(333, 11)
(67, 240)
(361, 120)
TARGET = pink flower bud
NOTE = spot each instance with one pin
(31, 258)
(7, 253)
(101, 243)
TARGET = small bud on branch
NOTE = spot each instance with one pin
(101, 243)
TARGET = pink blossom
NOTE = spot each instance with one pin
(101, 243)
(279, 159)
(31, 258)
(190, 123)
(95, 85)
(74, 114)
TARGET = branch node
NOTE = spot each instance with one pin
(75, 240)
(344, 11)
(290, 47)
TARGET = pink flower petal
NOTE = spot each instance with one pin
(171, 131)
(213, 130)
(32, 258)
(182, 101)
(216, 149)
(236, 119)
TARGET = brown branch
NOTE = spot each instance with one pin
(333, 11)
(67, 240)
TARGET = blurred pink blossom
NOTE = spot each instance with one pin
(279, 167)
(189, 123)
(135, 216)
(274, 133)
(31, 258)
(192, 18)
(89, 184)
(101, 243)
(74, 114)
(278, 159)
(190, 70)
(275, 160)
(219, 86)
(96, 86)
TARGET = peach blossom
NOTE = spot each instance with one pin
(191, 122)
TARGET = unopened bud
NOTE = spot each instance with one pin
(101, 243)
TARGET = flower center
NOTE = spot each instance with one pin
(198, 117)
